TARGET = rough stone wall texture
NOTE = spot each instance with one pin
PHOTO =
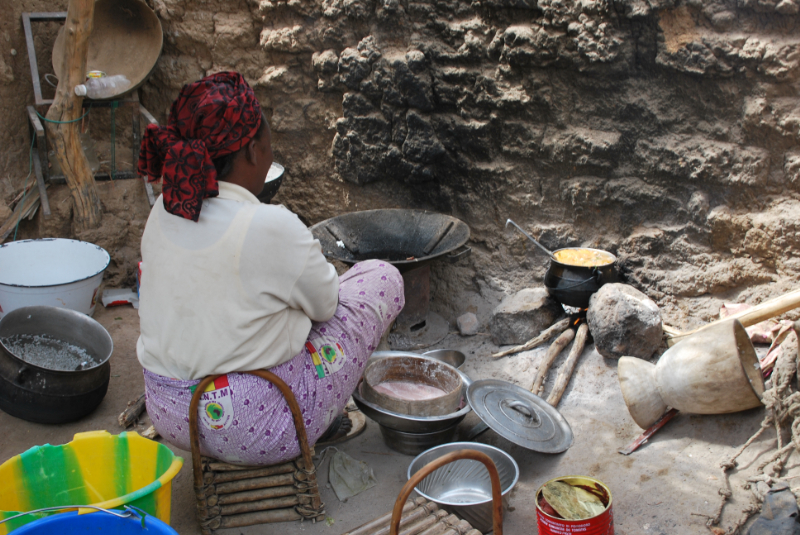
(665, 131)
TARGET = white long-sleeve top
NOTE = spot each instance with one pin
(235, 291)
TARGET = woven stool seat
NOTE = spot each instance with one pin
(231, 496)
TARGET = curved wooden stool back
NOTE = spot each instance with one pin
(497, 501)
(233, 496)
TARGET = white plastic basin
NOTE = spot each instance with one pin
(52, 272)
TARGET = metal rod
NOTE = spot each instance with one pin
(542, 247)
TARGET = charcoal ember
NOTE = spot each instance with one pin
(624, 322)
(49, 352)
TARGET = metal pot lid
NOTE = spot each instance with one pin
(520, 416)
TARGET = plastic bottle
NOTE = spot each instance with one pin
(98, 88)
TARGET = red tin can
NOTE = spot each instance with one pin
(602, 524)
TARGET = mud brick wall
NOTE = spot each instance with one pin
(664, 131)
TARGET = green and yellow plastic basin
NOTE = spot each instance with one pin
(96, 468)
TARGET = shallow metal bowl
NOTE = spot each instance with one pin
(463, 487)
(405, 422)
(448, 356)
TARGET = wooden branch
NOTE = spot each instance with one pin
(67, 106)
(132, 413)
(552, 352)
(538, 340)
(565, 373)
(22, 210)
(757, 314)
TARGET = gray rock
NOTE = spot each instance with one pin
(467, 324)
(522, 316)
(624, 322)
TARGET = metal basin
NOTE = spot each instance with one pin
(126, 39)
(52, 272)
(463, 487)
(399, 236)
(407, 423)
(417, 371)
(416, 443)
(49, 396)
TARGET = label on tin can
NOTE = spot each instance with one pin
(602, 524)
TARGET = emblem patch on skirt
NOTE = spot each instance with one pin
(328, 359)
(216, 404)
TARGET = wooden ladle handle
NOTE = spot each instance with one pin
(497, 499)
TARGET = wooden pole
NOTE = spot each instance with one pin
(552, 352)
(565, 373)
(763, 311)
(544, 336)
(67, 106)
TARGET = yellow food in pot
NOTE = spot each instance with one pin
(584, 257)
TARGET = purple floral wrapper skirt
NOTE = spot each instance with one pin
(244, 419)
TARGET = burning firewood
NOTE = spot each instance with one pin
(552, 352)
(557, 328)
(565, 373)
(132, 412)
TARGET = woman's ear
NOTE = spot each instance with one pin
(250, 152)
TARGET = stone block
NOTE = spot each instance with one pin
(522, 316)
(468, 324)
(624, 322)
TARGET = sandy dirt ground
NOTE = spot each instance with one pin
(654, 491)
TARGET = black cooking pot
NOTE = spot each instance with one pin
(574, 285)
(49, 396)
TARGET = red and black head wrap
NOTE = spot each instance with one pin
(211, 118)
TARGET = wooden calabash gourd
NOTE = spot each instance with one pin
(714, 371)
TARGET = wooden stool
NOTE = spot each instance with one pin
(421, 517)
(231, 496)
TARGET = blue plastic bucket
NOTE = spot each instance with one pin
(75, 524)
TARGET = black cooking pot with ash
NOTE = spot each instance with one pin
(573, 285)
(41, 394)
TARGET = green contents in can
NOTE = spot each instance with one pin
(571, 502)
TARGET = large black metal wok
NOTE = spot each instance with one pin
(404, 238)
(409, 240)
